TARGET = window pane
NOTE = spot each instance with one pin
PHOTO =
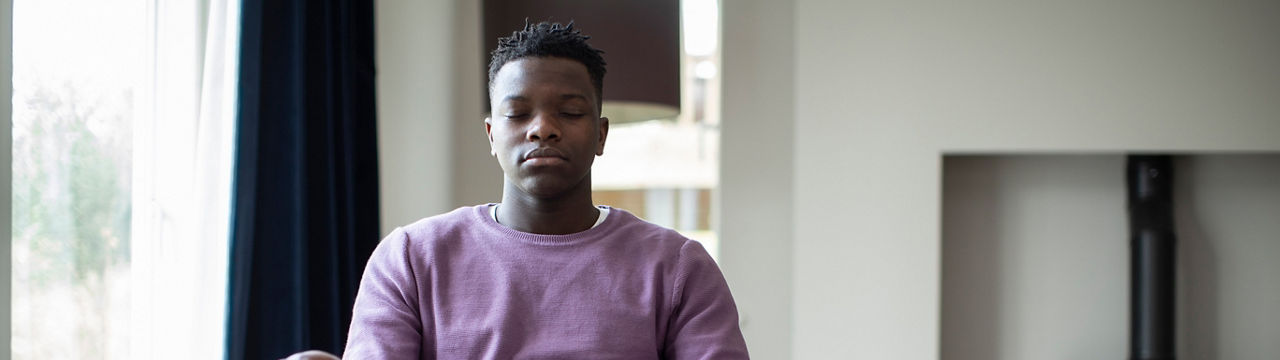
(75, 66)
(667, 171)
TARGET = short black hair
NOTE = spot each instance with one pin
(548, 39)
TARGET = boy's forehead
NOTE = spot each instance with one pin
(521, 74)
(543, 68)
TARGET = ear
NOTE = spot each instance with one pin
(488, 131)
(604, 135)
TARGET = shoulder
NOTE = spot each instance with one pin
(635, 225)
(445, 225)
(689, 255)
(419, 236)
(640, 233)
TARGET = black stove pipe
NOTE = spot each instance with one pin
(1151, 259)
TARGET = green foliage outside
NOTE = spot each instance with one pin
(71, 217)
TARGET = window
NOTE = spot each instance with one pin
(687, 150)
(74, 83)
(121, 177)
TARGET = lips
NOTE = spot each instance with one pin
(544, 154)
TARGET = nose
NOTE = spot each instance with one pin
(543, 128)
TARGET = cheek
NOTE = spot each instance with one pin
(503, 150)
(501, 137)
(500, 144)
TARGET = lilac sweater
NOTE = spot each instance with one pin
(462, 286)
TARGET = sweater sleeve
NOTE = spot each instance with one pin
(704, 320)
(384, 321)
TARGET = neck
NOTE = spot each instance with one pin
(561, 215)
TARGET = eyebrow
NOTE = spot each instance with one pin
(514, 98)
(574, 96)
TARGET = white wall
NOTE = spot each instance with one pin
(1036, 257)
(415, 108)
(884, 88)
(756, 173)
(1228, 223)
(476, 174)
(433, 152)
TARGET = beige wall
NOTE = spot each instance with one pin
(884, 88)
(1036, 257)
(756, 179)
(433, 152)
(476, 174)
(1229, 239)
(415, 106)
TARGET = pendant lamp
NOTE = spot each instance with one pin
(640, 38)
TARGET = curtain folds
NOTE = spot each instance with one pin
(183, 142)
(306, 189)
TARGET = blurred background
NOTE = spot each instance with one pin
(877, 179)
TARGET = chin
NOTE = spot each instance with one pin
(548, 187)
(545, 191)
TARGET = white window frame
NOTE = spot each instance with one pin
(6, 177)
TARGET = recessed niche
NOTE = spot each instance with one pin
(1035, 257)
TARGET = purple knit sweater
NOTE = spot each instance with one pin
(462, 286)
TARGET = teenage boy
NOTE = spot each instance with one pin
(545, 274)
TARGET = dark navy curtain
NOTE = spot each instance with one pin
(306, 186)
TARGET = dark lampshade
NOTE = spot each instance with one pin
(640, 38)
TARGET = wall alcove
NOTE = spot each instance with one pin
(1035, 256)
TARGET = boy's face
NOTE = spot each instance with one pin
(545, 128)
